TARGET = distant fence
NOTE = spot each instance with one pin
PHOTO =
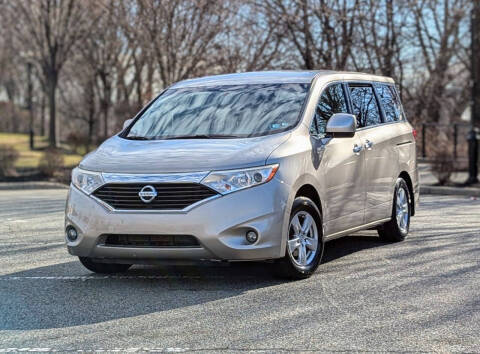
(453, 135)
(456, 136)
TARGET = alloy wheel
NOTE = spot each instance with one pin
(402, 209)
(303, 239)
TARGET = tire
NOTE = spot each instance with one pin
(397, 228)
(302, 257)
(103, 268)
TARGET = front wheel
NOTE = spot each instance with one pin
(103, 268)
(397, 228)
(304, 248)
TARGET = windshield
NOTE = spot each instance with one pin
(221, 112)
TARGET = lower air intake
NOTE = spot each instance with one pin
(152, 241)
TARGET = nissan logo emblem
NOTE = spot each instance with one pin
(147, 194)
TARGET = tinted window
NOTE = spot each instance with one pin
(390, 102)
(228, 111)
(332, 101)
(364, 105)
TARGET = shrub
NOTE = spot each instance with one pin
(52, 162)
(77, 140)
(8, 156)
(443, 166)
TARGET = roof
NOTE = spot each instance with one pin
(265, 77)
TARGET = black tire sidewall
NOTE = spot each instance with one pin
(306, 204)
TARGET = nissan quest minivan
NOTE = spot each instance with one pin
(247, 167)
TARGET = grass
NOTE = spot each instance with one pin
(29, 158)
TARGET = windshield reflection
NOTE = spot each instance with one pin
(221, 112)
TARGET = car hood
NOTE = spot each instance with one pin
(120, 155)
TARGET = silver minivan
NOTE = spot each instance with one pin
(243, 167)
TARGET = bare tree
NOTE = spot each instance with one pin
(10, 76)
(181, 35)
(251, 40)
(438, 29)
(322, 31)
(379, 45)
(139, 57)
(49, 29)
(79, 100)
(101, 51)
(135, 48)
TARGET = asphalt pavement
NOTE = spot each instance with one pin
(419, 295)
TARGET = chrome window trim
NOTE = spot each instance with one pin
(380, 125)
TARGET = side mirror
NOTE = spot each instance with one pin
(127, 123)
(342, 124)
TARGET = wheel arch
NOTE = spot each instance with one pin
(309, 191)
(304, 186)
(406, 177)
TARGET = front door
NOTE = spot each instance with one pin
(341, 165)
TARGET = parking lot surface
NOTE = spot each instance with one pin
(419, 295)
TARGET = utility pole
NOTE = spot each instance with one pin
(472, 136)
(29, 102)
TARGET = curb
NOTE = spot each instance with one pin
(466, 191)
(5, 186)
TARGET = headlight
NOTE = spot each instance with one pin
(86, 181)
(226, 182)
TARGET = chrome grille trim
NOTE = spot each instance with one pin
(189, 177)
(171, 196)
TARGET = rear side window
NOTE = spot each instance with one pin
(331, 101)
(364, 105)
(390, 102)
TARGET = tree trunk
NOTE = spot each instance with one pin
(13, 115)
(105, 108)
(30, 104)
(42, 115)
(52, 89)
(476, 64)
(308, 58)
(91, 122)
(390, 39)
(105, 120)
(105, 102)
(475, 72)
(90, 134)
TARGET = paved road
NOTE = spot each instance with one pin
(419, 295)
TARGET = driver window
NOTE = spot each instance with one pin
(332, 101)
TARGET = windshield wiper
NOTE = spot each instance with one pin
(202, 136)
(137, 138)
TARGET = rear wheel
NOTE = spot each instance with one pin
(397, 228)
(304, 247)
(103, 268)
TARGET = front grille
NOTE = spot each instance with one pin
(158, 241)
(170, 196)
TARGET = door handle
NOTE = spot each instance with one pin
(368, 144)
(357, 149)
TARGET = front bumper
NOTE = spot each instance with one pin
(219, 225)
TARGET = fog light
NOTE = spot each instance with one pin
(251, 236)
(72, 233)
